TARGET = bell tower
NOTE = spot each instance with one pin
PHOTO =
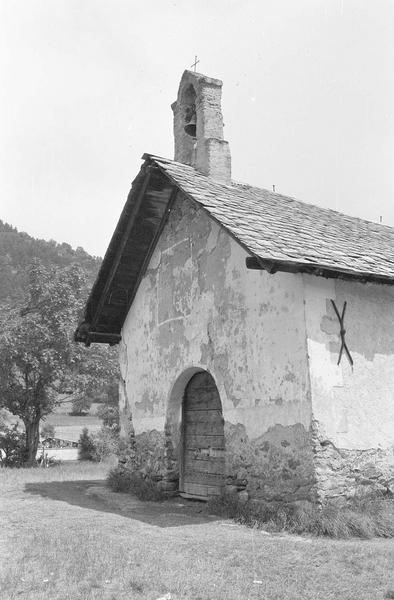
(198, 126)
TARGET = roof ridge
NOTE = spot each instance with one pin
(248, 186)
(276, 227)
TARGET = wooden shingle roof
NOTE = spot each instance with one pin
(278, 232)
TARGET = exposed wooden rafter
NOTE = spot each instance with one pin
(152, 246)
(273, 266)
(127, 258)
(120, 249)
(145, 214)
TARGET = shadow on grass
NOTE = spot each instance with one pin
(93, 495)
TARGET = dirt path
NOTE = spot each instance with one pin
(93, 495)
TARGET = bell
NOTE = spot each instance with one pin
(190, 127)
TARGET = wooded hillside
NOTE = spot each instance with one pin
(43, 289)
(18, 250)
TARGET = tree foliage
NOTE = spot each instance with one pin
(109, 415)
(47, 431)
(12, 446)
(39, 361)
(106, 442)
(17, 249)
(86, 448)
(81, 405)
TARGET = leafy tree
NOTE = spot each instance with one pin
(112, 393)
(81, 405)
(38, 357)
(109, 415)
(86, 447)
(107, 395)
(48, 431)
(106, 442)
(17, 249)
(12, 446)
(4, 418)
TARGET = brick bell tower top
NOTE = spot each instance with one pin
(198, 126)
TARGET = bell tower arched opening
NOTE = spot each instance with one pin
(189, 108)
(185, 124)
(198, 127)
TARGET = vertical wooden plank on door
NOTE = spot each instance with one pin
(203, 459)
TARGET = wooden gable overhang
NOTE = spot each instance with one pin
(125, 262)
(318, 241)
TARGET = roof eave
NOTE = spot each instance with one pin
(87, 332)
(144, 191)
(86, 336)
(274, 265)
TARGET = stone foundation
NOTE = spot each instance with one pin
(151, 454)
(276, 466)
(285, 463)
(343, 473)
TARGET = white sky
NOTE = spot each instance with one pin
(86, 88)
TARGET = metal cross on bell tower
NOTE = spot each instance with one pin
(196, 61)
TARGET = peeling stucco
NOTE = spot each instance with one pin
(354, 403)
(271, 343)
(353, 408)
(198, 307)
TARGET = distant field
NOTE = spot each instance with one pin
(65, 407)
(62, 420)
(68, 427)
(66, 537)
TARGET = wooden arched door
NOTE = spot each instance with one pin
(203, 456)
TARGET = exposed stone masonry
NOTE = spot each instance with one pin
(276, 466)
(287, 463)
(342, 473)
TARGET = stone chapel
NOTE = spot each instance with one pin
(255, 331)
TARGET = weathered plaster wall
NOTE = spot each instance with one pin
(353, 407)
(198, 307)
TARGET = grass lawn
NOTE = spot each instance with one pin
(65, 536)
